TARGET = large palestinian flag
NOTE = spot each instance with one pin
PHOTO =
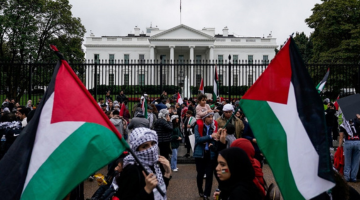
(67, 140)
(285, 113)
(322, 83)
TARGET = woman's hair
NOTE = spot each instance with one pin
(154, 109)
(108, 114)
(175, 124)
(201, 97)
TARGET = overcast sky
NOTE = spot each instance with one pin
(253, 18)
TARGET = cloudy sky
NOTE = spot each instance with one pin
(242, 17)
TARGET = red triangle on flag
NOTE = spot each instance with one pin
(72, 101)
(274, 83)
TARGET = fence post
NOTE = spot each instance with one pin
(229, 78)
(358, 91)
(161, 74)
(95, 80)
(30, 81)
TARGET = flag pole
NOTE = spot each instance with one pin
(143, 168)
(180, 12)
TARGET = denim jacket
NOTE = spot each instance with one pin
(200, 143)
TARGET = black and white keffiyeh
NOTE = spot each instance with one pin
(148, 157)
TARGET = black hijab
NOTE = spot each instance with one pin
(240, 184)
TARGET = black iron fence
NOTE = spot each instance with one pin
(24, 81)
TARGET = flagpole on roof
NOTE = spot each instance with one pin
(180, 12)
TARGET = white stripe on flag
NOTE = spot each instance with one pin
(48, 138)
(303, 158)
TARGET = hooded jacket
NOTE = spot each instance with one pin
(118, 123)
(164, 129)
(139, 121)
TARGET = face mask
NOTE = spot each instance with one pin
(149, 156)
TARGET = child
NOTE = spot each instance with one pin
(176, 137)
(202, 109)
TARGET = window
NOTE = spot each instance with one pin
(235, 80)
(148, 30)
(198, 59)
(250, 59)
(220, 59)
(265, 59)
(126, 79)
(181, 59)
(221, 79)
(111, 58)
(163, 79)
(250, 79)
(235, 59)
(141, 79)
(97, 79)
(163, 59)
(97, 58)
(111, 79)
(198, 80)
(126, 58)
(141, 58)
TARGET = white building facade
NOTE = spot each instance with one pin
(180, 43)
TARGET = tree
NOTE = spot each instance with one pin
(336, 37)
(27, 28)
(304, 45)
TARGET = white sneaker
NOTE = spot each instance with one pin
(175, 170)
(204, 175)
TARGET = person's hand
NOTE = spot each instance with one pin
(166, 164)
(150, 182)
(183, 126)
(189, 126)
(179, 138)
(168, 118)
(216, 194)
(254, 141)
(215, 136)
(223, 136)
(209, 111)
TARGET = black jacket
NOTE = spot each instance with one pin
(131, 184)
(163, 129)
(121, 98)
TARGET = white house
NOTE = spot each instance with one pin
(176, 44)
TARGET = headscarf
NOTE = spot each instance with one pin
(246, 145)
(148, 157)
(163, 113)
(242, 175)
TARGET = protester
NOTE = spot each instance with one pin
(101, 101)
(349, 130)
(164, 96)
(139, 120)
(202, 109)
(22, 114)
(110, 106)
(118, 122)
(176, 137)
(331, 121)
(228, 110)
(108, 98)
(230, 137)
(121, 97)
(103, 107)
(161, 104)
(259, 180)
(164, 129)
(236, 176)
(133, 182)
(151, 116)
(188, 125)
(205, 158)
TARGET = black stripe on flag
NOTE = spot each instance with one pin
(15, 163)
(311, 111)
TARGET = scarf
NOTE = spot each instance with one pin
(148, 157)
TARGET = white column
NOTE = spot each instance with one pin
(172, 64)
(152, 58)
(192, 67)
(212, 70)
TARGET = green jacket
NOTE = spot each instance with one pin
(174, 138)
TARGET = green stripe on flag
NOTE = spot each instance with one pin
(86, 150)
(271, 138)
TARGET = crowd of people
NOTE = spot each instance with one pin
(224, 147)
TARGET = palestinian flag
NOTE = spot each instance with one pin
(322, 83)
(179, 99)
(201, 88)
(285, 113)
(144, 106)
(64, 143)
(216, 86)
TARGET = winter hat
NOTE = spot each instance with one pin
(174, 117)
(163, 113)
(116, 102)
(167, 105)
(6, 110)
(228, 107)
(116, 105)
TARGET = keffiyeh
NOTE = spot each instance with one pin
(148, 157)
